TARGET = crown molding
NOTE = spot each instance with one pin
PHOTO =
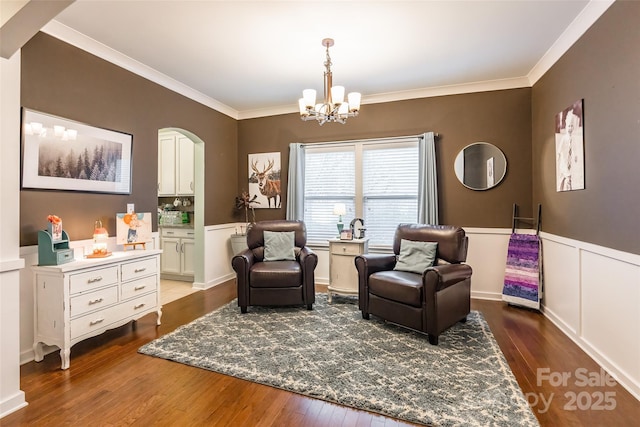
(585, 19)
(79, 40)
(485, 86)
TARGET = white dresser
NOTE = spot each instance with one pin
(86, 297)
(343, 276)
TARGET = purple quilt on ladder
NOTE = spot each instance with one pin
(522, 275)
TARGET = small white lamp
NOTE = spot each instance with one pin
(339, 209)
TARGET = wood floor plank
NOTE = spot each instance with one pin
(110, 384)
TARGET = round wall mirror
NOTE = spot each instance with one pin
(480, 166)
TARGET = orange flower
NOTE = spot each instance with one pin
(54, 219)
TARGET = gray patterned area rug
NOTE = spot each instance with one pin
(331, 353)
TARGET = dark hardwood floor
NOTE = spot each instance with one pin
(110, 384)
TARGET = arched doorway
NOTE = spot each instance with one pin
(199, 202)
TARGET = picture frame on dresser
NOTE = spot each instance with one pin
(66, 155)
(346, 234)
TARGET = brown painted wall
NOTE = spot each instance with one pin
(603, 68)
(62, 80)
(502, 118)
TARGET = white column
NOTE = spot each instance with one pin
(11, 397)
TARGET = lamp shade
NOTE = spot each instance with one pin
(309, 96)
(337, 94)
(339, 209)
(302, 107)
(354, 101)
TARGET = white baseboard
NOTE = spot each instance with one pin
(491, 296)
(12, 404)
(214, 282)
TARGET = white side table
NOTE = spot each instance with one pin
(343, 276)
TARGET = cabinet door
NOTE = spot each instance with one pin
(166, 165)
(171, 256)
(188, 248)
(343, 273)
(185, 152)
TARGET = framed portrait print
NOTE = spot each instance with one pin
(570, 148)
(61, 154)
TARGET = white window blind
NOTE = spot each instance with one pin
(376, 180)
(329, 179)
(390, 189)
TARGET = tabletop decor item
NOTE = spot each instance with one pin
(55, 227)
(100, 237)
(53, 243)
(246, 201)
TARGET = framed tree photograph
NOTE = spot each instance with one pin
(264, 180)
(61, 154)
(570, 148)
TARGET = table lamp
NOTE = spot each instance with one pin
(339, 209)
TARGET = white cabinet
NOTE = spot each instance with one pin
(343, 276)
(86, 297)
(178, 253)
(175, 165)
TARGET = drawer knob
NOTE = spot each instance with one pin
(95, 279)
(139, 270)
(95, 322)
(96, 301)
(137, 306)
(139, 288)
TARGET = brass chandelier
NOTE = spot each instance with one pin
(333, 108)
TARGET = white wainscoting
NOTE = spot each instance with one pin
(217, 255)
(592, 294)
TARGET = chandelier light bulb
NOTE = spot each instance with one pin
(337, 94)
(309, 96)
(354, 101)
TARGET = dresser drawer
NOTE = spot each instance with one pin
(97, 321)
(139, 305)
(136, 269)
(346, 249)
(90, 301)
(93, 279)
(64, 255)
(139, 287)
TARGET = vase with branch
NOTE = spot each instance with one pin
(247, 202)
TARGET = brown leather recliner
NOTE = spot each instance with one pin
(429, 302)
(285, 282)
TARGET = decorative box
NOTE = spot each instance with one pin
(53, 252)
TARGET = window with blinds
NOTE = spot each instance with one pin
(376, 180)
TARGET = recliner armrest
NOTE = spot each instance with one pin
(368, 264)
(308, 258)
(449, 274)
(243, 259)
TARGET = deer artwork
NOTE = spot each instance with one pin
(268, 187)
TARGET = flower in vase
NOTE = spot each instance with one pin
(245, 201)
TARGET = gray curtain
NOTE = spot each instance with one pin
(295, 182)
(428, 188)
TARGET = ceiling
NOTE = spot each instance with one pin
(253, 58)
